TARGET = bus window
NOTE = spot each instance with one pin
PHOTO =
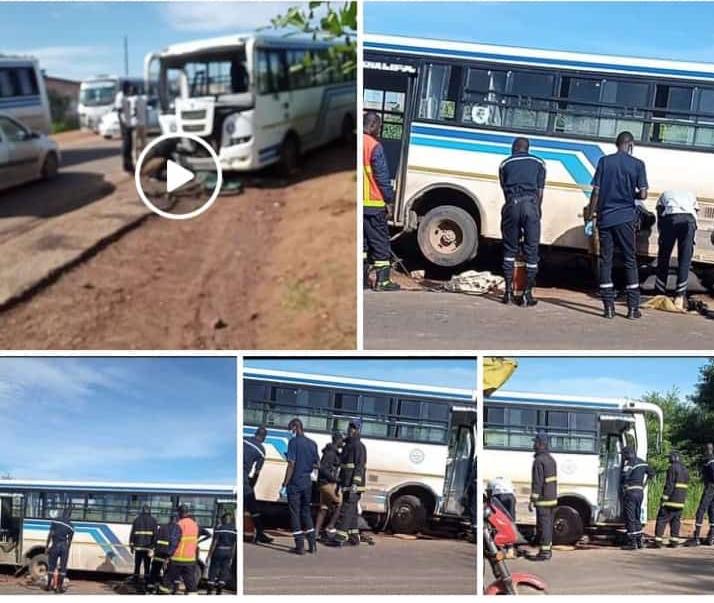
(439, 91)
(627, 99)
(6, 87)
(298, 72)
(527, 105)
(673, 104)
(482, 94)
(705, 134)
(107, 507)
(581, 115)
(201, 508)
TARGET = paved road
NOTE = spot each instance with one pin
(564, 319)
(610, 571)
(391, 567)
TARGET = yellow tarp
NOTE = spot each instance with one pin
(496, 371)
(662, 302)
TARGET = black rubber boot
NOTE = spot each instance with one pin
(312, 546)
(640, 542)
(365, 276)
(508, 293)
(608, 309)
(542, 556)
(630, 546)
(528, 300)
(633, 313)
(383, 281)
(262, 538)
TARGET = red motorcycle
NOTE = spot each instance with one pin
(499, 532)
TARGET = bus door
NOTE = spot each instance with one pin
(388, 91)
(613, 434)
(11, 510)
(460, 462)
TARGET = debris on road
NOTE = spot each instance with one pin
(472, 282)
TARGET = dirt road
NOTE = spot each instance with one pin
(271, 268)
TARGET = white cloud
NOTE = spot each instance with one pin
(222, 16)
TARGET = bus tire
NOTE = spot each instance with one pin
(448, 236)
(567, 525)
(38, 567)
(408, 514)
(50, 166)
(289, 156)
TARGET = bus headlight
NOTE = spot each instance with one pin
(236, 130)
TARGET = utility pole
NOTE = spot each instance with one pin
(126, 56)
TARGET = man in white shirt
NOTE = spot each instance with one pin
(124, 105)
(677, 223)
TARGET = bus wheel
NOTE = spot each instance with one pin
(38, 568)
(49, 167)
(448, 236)
(289, 156)
(408, 514)
(568, 526)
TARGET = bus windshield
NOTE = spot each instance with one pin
(211, 74)
(95, 95)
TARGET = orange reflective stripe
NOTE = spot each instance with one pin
(372, 196)
(188, 545)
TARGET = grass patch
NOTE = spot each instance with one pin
(298, 296)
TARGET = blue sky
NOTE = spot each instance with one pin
(80, 39)
(457, 372)
(676, 30)
(608, 377)
(119, 419)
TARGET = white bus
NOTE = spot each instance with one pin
(451, 111)
(97, 94)
(586, 436)
(102, 514)
(257, 99)
(23, 95)
(420, 440)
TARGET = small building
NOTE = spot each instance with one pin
(64, 98)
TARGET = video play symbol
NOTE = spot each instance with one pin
(177, 176)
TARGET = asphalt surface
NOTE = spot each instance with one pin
(563, 319)
(391, 567)
(611, 571)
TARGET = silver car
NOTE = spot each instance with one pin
(25, 155)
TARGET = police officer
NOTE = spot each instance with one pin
(59, 541)
(141, 539)
(327, 478)
(706, 503)
(352, 479)
(673, 497)
(522, 178)
(378, 193)
(253, 459)
(544, 496)
(302, 458)
(620, 179)
(221, 554)
(677, 223)
(167, 539)
(635, 473)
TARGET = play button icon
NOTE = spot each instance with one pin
(168, 188)
(177, 176)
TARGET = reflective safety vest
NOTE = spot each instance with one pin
(372, 196)
(188, 545)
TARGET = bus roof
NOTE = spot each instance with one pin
(241, 39)
(16, 60)
(419, 47)
(370, 385)
(139, 487)
(538, 399)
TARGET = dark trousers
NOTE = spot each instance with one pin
(377, 249)
(520, 217)
(219, 571)
(632, 510)
(679, 229)
(300, 516)
(348, 522)
(668, 516)
(178, 571)
(544, 527)
(156, 571)
(621, 236)
(141, 558)
(127, 146)
(57, 558)
(508, 501)
(706, 507)
(250, 504)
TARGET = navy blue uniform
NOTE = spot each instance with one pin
(674, 496)
(522, 176)
(141, 540)
(61, 534)
(302, 452)
(219, 572)
(706, 502)
(633, 485)
(253, 459)
(619, 178)
(374, 221)
(352, 483)
(167, 539)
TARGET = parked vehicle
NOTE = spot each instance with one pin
(23, 95)
(25, 155)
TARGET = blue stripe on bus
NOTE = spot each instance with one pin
(423, 50)
(550, 402)
(278, 438)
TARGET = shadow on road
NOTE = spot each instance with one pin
(72, 157)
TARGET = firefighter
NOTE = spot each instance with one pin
(544, 496)
(327, 481)
(59, 541)
(352, 479)
(253, 459)
(378, 195)
(141, 539)
(706, 503)
(302, 459)
(221, 554)
(522, 179)
(673, 497)
(182, 566)
(635, 473)
(167, 539)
